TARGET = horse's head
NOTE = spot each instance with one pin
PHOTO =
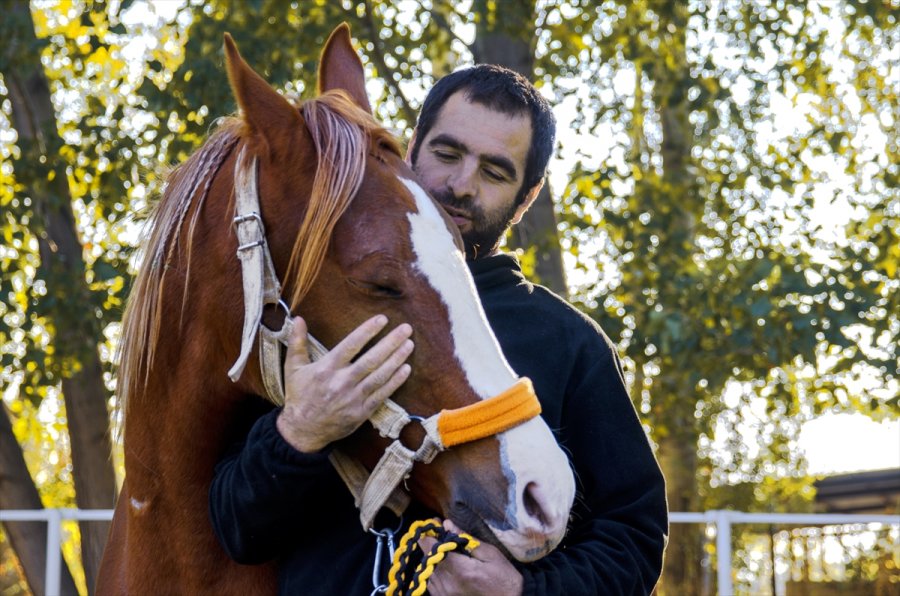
(352, 235)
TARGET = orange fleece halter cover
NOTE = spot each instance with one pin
(490, 416)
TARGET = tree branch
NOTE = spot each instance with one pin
(443, 24)
(378, 56)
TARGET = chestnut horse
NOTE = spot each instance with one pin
(351, 235)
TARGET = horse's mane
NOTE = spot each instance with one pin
(343, 135)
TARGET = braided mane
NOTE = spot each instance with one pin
(343, 134)
(143, 314)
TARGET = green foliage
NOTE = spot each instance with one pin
(187, 88)
(710, 206)
(80, 51)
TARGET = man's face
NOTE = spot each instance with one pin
(473, 161)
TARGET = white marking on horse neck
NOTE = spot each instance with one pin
(443, 265)
(138, 505)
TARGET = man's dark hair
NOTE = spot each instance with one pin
(502, 90)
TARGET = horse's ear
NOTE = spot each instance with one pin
(341, 68)
(264, 110)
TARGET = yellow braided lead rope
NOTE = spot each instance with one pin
(402, 581)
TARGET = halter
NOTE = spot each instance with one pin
(445, 429)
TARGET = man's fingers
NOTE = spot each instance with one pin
(378, 396)
(386, 368)
(486, 571)
(298, 345)
(426, 543)
(350, 346)
(482, 552)
(376, 356)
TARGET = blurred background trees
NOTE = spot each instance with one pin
(724, 202)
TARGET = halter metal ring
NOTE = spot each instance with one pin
(387, 531)
(284, 307)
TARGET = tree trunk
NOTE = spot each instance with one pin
(63, 268)
(508, 39)
(682, 573)
(17, 491)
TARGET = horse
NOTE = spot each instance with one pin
(351, 234)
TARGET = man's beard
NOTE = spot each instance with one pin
(485, 229)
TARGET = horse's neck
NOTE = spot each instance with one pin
(176, 424)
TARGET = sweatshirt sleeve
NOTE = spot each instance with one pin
(620, 521)
(261, 490)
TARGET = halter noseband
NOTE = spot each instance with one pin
(445, 429)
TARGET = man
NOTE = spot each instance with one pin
(481, 147)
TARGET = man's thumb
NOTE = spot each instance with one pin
(298, 345)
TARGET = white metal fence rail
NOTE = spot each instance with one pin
(54, 518)
(721, 519)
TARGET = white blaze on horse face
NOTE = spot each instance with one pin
(444, 266)
(532, 461)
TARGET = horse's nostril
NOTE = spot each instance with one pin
(533, 503)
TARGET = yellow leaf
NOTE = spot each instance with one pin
(890, 267)
(40, 23)
(99, 57)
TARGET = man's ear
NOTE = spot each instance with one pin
(410, 147)
(529, 199)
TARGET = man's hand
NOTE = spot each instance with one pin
(328, 399)
(486, 571)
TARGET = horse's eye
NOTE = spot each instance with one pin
(377, 289)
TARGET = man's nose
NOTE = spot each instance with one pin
(463, 182)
